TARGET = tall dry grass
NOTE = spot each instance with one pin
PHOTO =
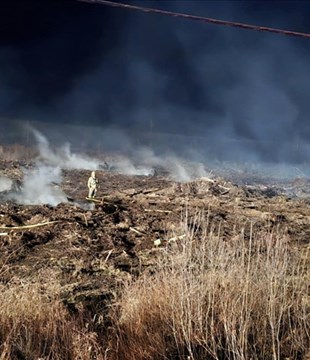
(34, 325)
(246, 298)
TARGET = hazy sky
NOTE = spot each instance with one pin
(66, 61)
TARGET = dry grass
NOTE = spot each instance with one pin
(210, 299)
(246, 298)
(16, 152)
(35, 326)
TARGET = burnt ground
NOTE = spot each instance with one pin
(88, 249)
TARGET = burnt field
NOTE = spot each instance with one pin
(85, 255)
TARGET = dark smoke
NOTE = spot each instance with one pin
(176, 86)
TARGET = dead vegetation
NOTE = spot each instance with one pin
(35, 324)
(215, 299)
(16, 152)
(155, 270)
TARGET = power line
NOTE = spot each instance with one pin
(199, 18)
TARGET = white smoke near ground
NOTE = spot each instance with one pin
(62, 157)
(5, 184)
(181, 170)
(41, 185)
(126, 166)
(140, 161)
(143, 161)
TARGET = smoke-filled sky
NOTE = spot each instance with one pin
(85, 64)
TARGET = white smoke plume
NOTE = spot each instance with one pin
(176, 168)
(5, 184)
(62, 157)
(126, 166)
(41, 186)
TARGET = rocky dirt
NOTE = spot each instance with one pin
(89, 248)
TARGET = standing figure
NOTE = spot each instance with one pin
(92, 185)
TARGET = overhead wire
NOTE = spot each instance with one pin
(199, 18)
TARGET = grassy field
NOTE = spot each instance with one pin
(246, 298)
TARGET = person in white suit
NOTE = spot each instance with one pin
(92, 185)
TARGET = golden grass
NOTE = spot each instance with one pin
(211, 299)
(35, 325)
(245, 298)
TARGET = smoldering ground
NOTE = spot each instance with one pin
(41, 184)
(196, 91)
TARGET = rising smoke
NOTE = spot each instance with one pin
(5, 184)
(62, 157)
(233, 95)
(182, 90)
(140, 160)
(41, 185)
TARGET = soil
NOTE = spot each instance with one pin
(90, 247)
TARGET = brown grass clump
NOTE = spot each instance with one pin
(247, 298)
(35, 326)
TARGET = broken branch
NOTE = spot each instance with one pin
(22, 227)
